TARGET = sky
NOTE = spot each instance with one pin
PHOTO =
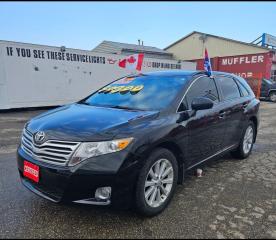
(83, 25)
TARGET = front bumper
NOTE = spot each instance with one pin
(79, 183)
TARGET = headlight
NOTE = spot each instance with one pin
(93, 149)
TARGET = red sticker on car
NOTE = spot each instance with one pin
(31, 171)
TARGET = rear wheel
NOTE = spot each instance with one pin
(272, 96)
(246, 144)
(156, 182)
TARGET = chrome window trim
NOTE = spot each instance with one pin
(248, 93)
(210, 157)
(232, 99)
(221, 100)
(212, 77)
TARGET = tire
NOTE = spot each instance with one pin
(272, 97)
(156, 189)
(245, 147)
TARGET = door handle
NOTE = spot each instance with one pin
(221, 114)
(244, 105)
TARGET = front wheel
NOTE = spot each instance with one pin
(246, 144)
(272, 97)
(156, 182)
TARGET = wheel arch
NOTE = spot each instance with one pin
(176, 150)
(255, 122)
(270, 92)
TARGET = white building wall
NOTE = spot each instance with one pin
(192, 48)
(32, 81)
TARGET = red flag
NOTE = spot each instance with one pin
(132, 62)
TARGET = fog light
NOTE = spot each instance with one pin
(103, 193)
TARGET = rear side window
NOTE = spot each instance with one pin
(246, 85)
(202, 87)
(229, 88)
(243, 89)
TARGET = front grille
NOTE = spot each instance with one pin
(52, 151)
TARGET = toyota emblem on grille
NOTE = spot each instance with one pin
(39, 137)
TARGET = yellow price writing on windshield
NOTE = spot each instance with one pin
(122, 89)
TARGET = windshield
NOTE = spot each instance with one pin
(267, 81)
(144, 92)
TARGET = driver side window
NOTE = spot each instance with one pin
(202, 87)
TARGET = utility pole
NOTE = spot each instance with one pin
(203, 38)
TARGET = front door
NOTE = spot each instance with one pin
(205, 128)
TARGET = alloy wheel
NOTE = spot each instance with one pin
(248, 139)
(273, 97)
(159, 183)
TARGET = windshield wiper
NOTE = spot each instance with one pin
(125, 107)
(112, 106)
(83, 102)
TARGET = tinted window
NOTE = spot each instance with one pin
(243, 90)
(229, 88)
(246, 85)
(202, 87)
(267, 81)
(145, 92)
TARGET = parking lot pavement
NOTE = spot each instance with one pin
(233, 199)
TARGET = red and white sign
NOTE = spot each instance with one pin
(132, 62)
(239, 60)
(31, 171)
(247, 66)
(252, 67)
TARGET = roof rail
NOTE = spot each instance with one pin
(200, 72)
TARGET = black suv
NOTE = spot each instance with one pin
(132, 141)
(268, 90)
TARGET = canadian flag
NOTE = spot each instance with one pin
(132, 62)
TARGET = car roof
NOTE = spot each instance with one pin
(172, 73)
(223, 73)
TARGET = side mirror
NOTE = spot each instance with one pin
(202, 103)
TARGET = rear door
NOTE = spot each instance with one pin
(233, 105)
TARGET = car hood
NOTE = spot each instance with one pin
(78, 122)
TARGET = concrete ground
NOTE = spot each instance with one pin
(233, 199)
